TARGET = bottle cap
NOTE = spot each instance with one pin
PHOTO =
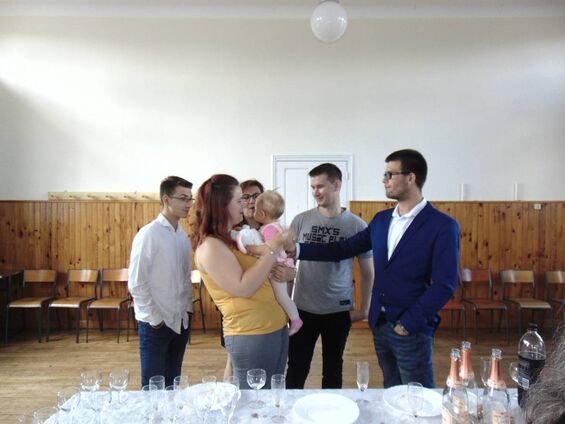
(532, 326)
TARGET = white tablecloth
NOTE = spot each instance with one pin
(134, 409)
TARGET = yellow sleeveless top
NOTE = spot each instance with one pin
(259, 314)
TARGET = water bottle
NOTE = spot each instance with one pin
(531, 359)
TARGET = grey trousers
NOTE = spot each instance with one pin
(267, 351)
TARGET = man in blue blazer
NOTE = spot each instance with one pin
(416, 258)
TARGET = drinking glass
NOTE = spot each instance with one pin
(228, 397)
(181, 382)
(90, 381)
(67, 401)
(168, 404)
(159, 381)
(209, 379)
(205, 399)
(513, 371)
(256, 378)
(149, 393)
(362, 379)
(118, 381)
(43, 414)
(485, 369)
(415, 397)
(278, 386)
(234, 379)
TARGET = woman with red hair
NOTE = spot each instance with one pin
(255, 325)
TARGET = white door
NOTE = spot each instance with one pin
(290, 179)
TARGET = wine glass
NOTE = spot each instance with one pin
(234, 379)
(256, 378)
(228, 397)
(209, 379)
(205, 399)
(42, 415)
(181, 382)
(485, 369)
(90, 381)
(159, 381)
(362, 379)
(513, 371)
(278, 387)
(67, 402)
(415, 397)
(118, 381)
(149, 393)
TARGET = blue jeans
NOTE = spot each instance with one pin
(161, 351)
(403, 358)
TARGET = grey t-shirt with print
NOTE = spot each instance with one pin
(325, 287)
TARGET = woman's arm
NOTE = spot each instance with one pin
(216, 259)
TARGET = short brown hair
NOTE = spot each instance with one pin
(411, 161)
(251, 183)
(329, 170)
(169, 185)
(272, 203)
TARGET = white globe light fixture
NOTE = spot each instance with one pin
(329, 21)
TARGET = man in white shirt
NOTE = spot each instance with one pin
(159, 282)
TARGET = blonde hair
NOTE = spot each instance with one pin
(272, 203)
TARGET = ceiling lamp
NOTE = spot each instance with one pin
(329, 21)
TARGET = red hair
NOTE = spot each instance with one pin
(211, 204)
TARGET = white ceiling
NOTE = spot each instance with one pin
(281, 8)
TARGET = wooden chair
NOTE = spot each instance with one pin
(524, 282)
(80, 289)
(476, 281)
(196, 279)
(554, 287)
(113, 283)
(455, 305)
(29, 299)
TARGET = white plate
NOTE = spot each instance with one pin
(325, 408)
(395, 397)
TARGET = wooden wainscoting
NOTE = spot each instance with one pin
(62, 234)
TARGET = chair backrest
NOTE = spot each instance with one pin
(474, 281)
(554, 282)
(82, 282)
(523, 279)
(113, 283)
(33, 278)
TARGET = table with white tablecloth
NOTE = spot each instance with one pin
(373, 409)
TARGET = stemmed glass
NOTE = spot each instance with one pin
(90, 382)
(278, 386)
(42, 415)
(149, 393)
(234, 379)
(181, 382)
(208, 379)
(362, 379)
(66, 403)
(205, 399)
(228, 397)
(159, 381)
(256, 378)
(415, 397)
(485, 369)
(119, 380)
(513, 371)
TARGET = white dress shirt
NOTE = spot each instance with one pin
(159, 274)
(399, 225)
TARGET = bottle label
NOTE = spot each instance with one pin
(446, 417)
(500, 417)
(528, 371)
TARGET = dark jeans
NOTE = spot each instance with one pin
(403, 358)
(334, 329)
(161, 351)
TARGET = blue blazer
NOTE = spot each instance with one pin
(421, 275)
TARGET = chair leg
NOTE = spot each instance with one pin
(39, 324)
(100, 316)
(6, 331)
(78, 323)
(128, 313)
(542, 320)
(499, 320)
(519, 321)
(68, 319)
(48, 322)
(87, 321)
(464, 312)
(507, 326)
(118, 322)
(475, 324)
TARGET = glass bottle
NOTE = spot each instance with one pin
(496, 401)
(468, 376)
(531, 359)
(455, 403)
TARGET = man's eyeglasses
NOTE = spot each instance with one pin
(389, 174)
(183, 199)
(248, 197)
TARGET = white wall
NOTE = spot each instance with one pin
(109, 104)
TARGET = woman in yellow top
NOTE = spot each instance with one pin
(255, 327)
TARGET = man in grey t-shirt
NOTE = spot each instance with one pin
(324, 292)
